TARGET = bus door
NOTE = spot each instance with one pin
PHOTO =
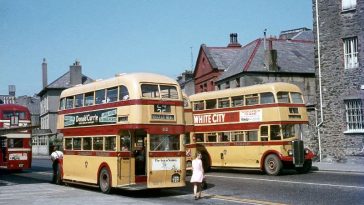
(3, 151)
(125, 175)
(139, 148)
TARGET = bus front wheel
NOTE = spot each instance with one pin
(272, 165)
(104, 181)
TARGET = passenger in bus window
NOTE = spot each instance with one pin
(197, 176)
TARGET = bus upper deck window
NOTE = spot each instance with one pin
(211, 104)
(89, 98)
(237, 101)
(169, 92)
(62, 104)
(251, 99)
(150, 91)
(69, 102)
(100, 97)
(283, 97)
(223, 102)
(266, 98)
(21, 115)
(79, 100)
(296, 98)
(199, 105)
(112, 94)
(123, 93)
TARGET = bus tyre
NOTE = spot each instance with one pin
(272, 165)
(104, 181)
(58, 177)
(306, 167)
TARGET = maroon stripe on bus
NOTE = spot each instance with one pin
(247, 107)
(98, 153)
(120, 103)
(167, 154)
(218, 144)
(115, 129)
(240, 126)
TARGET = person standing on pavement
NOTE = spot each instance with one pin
(197, 176)
(55, 157)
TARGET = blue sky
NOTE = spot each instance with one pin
(123, 36)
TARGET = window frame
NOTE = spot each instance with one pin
(354, 115)
(351, 52)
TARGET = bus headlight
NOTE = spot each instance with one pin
(290, 153)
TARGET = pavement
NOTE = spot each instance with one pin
(350, 166)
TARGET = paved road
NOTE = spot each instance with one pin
(224, 187)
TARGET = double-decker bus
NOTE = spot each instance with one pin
(259, 127)
(124, 132)
(15, 137)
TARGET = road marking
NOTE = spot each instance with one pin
(289, 182)
(245, 201)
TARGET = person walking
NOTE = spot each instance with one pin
(197, 176)
(55, 156)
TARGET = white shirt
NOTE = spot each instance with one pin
(56, 155)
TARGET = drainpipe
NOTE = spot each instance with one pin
(319, 124)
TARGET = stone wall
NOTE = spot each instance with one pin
(338, 83)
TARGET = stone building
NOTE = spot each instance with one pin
(49, 104)
(10, 98)
(340, 78)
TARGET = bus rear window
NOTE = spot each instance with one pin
(296, 98)
(169, 92)
(16, 143)
(150, 91)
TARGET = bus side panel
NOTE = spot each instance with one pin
(85, 168)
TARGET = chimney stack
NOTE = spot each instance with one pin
(12, 90)
(271, 57)
(234, 41)
(44, 73)
(75, 73)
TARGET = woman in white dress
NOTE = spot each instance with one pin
(197, 175)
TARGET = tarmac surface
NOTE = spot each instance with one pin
(356, 165)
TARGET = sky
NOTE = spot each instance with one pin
(123, 36)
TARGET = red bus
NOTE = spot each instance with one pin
(15, 137)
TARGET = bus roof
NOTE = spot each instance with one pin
(260, 88)
(131, 81)
(13, 107)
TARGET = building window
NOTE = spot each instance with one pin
(348, 5)
(354, 115)
(351, 53)
(237, 82)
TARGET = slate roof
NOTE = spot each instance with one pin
(293, 56)
(220, 57)
(63, 82)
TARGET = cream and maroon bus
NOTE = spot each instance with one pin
(259, 127)
(123, 132)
